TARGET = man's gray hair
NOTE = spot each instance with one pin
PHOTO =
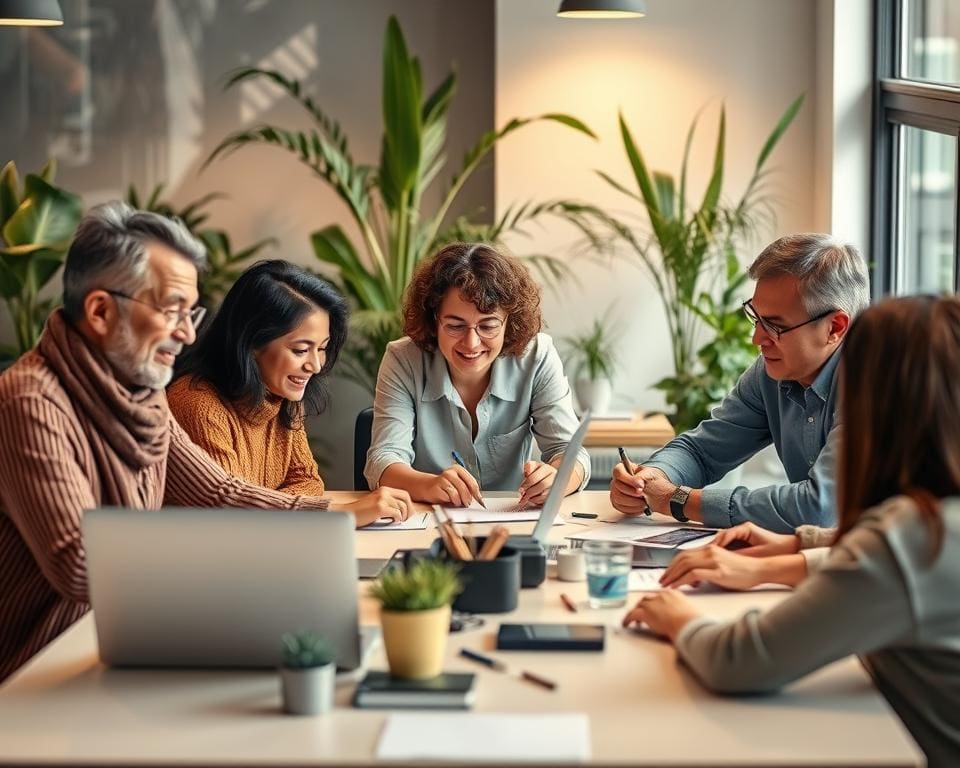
(832, 274)
(109, 251)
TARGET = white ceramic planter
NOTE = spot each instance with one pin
(308, 691)
(594, 395)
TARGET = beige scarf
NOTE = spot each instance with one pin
(128, 430)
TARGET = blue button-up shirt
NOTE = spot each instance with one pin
(419, 417)
(800, 421)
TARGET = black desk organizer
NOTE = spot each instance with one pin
(489, 586)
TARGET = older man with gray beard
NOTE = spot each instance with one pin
(84, 420)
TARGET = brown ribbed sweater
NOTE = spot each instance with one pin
(72, 439)
(256, 447)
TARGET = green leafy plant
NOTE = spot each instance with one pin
(224, 265)
(688, 248)
(721, 360)
(426, 584)
(305, 649)
(37, 224)
(593, 351)
(397, 230)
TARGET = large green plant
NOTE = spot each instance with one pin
(37, 224)
(224, 265)
(385, 201)
(691, 251)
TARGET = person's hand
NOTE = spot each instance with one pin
(666, 613)
(383, 502)
(716, 565)
(626, 489)
(759, 541)
(454, 487)
(538, 478)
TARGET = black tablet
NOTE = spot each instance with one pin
(550, 637)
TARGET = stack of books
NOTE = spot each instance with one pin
(379, 690)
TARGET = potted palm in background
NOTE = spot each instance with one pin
(386, 202)
(594, 364)
(692, 253)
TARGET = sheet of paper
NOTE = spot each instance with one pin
(544, 739)
(500, 509)
(645, 580)
(416, 522)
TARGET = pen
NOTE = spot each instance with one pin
(501, 667)
(459, 459)
(571, 606)
(627, 465)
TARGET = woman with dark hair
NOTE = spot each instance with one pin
(887, 588)
(243, 390)
(473, 375)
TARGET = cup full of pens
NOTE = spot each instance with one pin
(489, 570)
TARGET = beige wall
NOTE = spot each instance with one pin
(754, 56)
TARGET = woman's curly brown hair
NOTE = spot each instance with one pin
(487, 279)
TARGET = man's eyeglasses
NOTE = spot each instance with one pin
(772, 329)
(174, 317)
(486, 329)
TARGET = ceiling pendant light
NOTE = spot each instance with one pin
(30, 13)
(602, 9)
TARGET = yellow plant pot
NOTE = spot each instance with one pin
(415, 641)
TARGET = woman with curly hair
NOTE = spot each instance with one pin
(473, 375)
(243, 390)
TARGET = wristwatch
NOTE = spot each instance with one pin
(678, 501)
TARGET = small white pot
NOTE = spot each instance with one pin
(594, 395)
(308, 691)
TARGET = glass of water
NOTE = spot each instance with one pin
(608, 571)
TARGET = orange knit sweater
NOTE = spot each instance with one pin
(257, 448)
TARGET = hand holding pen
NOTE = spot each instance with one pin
(626, 489)
(459, 485)
(538, 477)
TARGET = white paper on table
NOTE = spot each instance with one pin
(449, 736)
(500, 509)
(645, 580)
(416, 522)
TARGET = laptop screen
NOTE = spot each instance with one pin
(557, 491)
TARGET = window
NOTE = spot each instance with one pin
(917, 125)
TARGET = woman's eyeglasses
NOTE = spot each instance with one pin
(486, 329)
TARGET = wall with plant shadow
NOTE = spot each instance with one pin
(131, 92)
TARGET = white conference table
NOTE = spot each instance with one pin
(64, 707)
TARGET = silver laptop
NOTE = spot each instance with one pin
(219, 587)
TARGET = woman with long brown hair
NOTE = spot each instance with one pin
(887, 589)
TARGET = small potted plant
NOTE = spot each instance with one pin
(415, 615)
(594, 362)
(308, 674)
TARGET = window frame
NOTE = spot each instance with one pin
(901, 102)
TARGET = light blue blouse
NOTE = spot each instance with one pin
(419, 417)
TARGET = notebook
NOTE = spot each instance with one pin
(447, 691)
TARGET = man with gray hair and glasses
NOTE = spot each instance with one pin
(809, 288)
(84, 421)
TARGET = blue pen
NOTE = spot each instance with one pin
(459, 459)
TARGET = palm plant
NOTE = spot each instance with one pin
(224, 265)
(36, 226)
(386, 201)
(688, 251)
(593, 351)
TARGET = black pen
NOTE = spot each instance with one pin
(501, 667)
(459, 459)
(627, 465)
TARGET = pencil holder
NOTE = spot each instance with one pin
(489, 586)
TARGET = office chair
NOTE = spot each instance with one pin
(361, 444)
